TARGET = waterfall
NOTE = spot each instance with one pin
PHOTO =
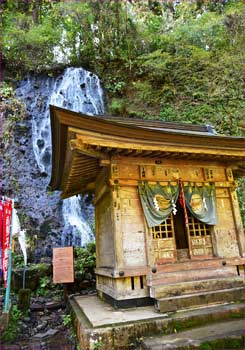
(77, 90)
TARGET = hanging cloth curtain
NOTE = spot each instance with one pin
(201, 202)
(158, 201)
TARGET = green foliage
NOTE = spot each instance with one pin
(118, 107)
(46, 286)
(77, 33)
(17, 260)
(67, 320)
(97, 345)
(85, 259)
(13, 111)
(229, 343)
(13, 329)
(115, 85)
(28, 45)
(196, 67)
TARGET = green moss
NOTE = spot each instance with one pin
(117, 107)
(178, 326)
(232, 343)
(13, 111)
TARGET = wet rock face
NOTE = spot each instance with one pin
(40, 212)
(27, 161)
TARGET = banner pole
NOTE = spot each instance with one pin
(7, 295)
(1, 237)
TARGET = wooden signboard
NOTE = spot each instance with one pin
(63, 265)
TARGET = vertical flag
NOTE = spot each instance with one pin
(1, 236)
(7, 216)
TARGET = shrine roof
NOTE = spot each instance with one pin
(162, 125)
(81, 143)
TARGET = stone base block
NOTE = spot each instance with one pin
(126, 303)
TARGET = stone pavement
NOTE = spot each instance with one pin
(194, 337)
(100, 313)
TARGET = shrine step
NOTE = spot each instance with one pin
(199, 299)
(195, 265)
(191, 287)
(220, 335)
(163, 278)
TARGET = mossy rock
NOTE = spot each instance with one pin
(24, 297)
(32, 277)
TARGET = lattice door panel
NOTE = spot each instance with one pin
(164, 241)
(200, 237)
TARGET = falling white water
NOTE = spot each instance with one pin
(77, 90)
(80, 91)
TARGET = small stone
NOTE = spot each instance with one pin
(46, 318)
(40, 327)
(37, 307)
(34, 331)
(50, 332)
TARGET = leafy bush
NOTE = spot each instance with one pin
(117, 107)
(13, 111)
(13, 329)
(85, 260)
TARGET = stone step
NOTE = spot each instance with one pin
(194, 338)
(191, 287)
(199, 299)
(164, 278)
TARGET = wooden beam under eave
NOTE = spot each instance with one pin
(90, 187)
(146, 154)
(210, 146)
(94, 151)
(84, 173)
(136, 153)
(127, 152)
(83, 167)
(156, 154)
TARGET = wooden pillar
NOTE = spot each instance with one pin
(97, 238)
(117, 227)
(237, 220)
(149, 247)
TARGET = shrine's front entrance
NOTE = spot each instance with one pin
(173, 240)
(181, 234)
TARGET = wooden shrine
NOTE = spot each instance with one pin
(138, 171)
